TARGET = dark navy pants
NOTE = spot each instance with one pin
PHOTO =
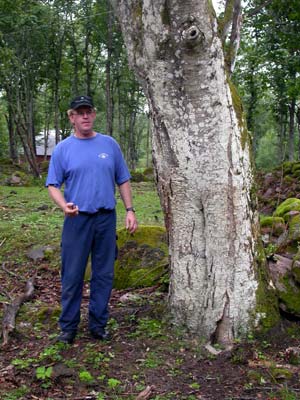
(83, 235)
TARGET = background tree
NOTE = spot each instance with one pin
(22, 71)
(52, 51)
(269, 69)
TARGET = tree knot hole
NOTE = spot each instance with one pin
(192, 35)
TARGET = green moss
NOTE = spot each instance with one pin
(227, 17)
(255, 377)
(270, 221)
(165, 14)
(295, 167)
(290, 296)
(296, 272)
(43, 315)
(138, 11)
(239, 111)
(288, 179)
(144, 176)
(143, 257)
(294, 228)
(281, 373)
(291, 204)
(266, 299)
(287, 167)
(275, 224)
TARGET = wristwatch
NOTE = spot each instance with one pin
(130, 209)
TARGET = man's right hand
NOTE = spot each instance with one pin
(71, 210)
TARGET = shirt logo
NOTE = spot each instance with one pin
(103, 155)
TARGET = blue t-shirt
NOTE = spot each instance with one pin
(89, 169)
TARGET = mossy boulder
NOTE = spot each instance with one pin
(142, 258)
(289, 298)
(296, 174)
(296, 267)
(291, 204)
(287, 167)
(137, 176)
(294, 228)
(146, 175)
(295, 167)
(19, 178)
(287, 289)
(274, 225)
(288, 179)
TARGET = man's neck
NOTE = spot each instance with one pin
(88, 135)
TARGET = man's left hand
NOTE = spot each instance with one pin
(131, 222)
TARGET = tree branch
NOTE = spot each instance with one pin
(256, 10)
(11, 310)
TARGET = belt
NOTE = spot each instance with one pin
(99, 211)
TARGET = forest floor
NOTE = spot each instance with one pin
(143, 354)
(146, 358)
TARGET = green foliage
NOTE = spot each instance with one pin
(267, 154)
(45, 59)
(23, 363)
(85, 376)
(44, 373)
(267, 76)
(113, 383)
(151, 328)
(52, 353)
(152, 360)
(16, 394)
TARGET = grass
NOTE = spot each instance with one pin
(29, 218)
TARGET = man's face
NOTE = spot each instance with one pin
(83, 119)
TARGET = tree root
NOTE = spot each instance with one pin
(11, 310)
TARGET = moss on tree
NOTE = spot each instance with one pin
(267, 310)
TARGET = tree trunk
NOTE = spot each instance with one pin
(252, 106)
(282, 133)
(13, 151)
(109, 102)
(132, 145)
(148, 144)
(201, 157)
(298, 124)
(292, 109)
(23, 120)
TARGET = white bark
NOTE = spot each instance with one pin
(202, 166)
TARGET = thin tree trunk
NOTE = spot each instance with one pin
(148, 144)
(292, 109)
(132, 141)
(109, 102)
(13, 152)
(252, 105)
(282, 135)
(298, 123)
(23, 116)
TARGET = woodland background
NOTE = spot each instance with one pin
(51, 51)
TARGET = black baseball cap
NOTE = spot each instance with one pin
(81, 101)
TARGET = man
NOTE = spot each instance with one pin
(88, 164)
